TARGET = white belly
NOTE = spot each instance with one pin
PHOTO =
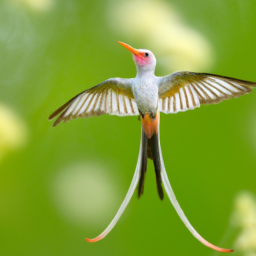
(146, 96)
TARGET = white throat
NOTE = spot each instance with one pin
(144, 71)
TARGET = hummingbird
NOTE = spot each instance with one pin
(147, 95)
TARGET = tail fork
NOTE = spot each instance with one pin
(150, 148)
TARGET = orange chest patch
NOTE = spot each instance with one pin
(150, 127)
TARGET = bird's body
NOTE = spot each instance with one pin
(147, 95)
(145, 92)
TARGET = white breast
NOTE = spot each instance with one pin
(146, 95)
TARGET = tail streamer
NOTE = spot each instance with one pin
(126, 199)
(178, 209)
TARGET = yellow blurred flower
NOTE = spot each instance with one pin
(84, 194)
(13, 131)
(244, 217)
(35, 5)
(160, 27)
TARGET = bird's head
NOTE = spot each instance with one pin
(144, 59)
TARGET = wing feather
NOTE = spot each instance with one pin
(184, 90)
(113, 96)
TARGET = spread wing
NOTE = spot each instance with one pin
(113, 96)
(184, 90)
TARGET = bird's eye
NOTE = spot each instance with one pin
(146, 54)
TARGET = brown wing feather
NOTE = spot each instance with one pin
(60, 109)
(181, 91)
(113, 96)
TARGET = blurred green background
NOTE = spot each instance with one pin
(58, 186)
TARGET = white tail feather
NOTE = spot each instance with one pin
(178, 209)
(125, 202)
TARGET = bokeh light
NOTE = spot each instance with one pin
(35, 5)
(160, 26)
(82, 192)
(13, 131)
(244, 218)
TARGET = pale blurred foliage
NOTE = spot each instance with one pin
(160, 27)
(244, 218)
(13, 131)
(35, 5)
(85, 194)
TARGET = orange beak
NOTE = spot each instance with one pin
(134, 51)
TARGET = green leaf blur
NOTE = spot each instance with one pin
(60, 185)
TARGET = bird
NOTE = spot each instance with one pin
(146, 96)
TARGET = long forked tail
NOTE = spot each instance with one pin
(156, 153)
(127, 197)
